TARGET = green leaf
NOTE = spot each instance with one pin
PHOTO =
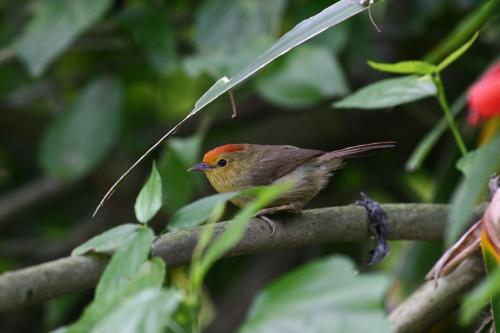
(233, 234)
(405, 67)
(303, 31)
(55, 25)
(124, 264)
(149, 311)
(389, 93)
(424, 147)
(149, 200)
(335, 40)
(107, 241)
(150, 275)
(307, 76)
(480, 296)
(151, 30)
(199, 211)
(485, 161)
(223, 26)
(466, 163)
(177, 183)
(323, 296)
(230, 34)
(457, 53)
(78, 140)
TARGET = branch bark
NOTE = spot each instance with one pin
(316, 226)
(432, 302)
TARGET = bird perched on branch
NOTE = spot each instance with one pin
(235, 167)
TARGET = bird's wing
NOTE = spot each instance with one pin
(277, 161)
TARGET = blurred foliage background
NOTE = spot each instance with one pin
(87, 86)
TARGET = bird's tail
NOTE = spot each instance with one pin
(357, 151)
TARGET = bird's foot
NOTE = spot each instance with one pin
(270, 223)
(380, 227)
(291, 207)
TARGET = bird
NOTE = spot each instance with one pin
(236, 167)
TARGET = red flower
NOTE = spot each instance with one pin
(484, 96)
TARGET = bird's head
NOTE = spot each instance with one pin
(220, 159)
(224, 165)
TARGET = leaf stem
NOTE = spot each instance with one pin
(443, 102)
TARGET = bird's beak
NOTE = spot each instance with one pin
(200, 167)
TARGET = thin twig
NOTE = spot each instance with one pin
(233, 103)
(34, 193)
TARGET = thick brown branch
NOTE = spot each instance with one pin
(326, 225)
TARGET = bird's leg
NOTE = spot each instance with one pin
(379, 225)
(291, 207)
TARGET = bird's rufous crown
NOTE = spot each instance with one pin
(211, 156)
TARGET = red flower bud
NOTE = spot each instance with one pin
(484, 96)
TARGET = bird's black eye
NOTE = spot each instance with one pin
(222, 163)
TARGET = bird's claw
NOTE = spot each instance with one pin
(270, 223)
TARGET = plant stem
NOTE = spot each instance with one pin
(446, 109)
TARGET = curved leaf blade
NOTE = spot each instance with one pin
(307, 76)
(107, 241)
(78, 140)
(457, 53)
(199, 211)
(323, 296)
(481, 164)
(53, 28)
(124, 264)
(149, 200)
(389, 93)
(405, 67)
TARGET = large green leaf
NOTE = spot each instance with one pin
(199, 211)
(306, 76)
(405, 67)
(124, 264)
(150, 275)
(107, 241)
(149, 311)
(149, 200)
(80, 139)
(178, 184)
(53, 28)
(389, 93)
(483, 163)
(152, 32)
(323, 296)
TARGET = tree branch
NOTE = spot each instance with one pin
(432, 302)
(38, 191)
(316, 226)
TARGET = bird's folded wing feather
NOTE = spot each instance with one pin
(277, 161)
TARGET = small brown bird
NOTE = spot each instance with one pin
(235, 167)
